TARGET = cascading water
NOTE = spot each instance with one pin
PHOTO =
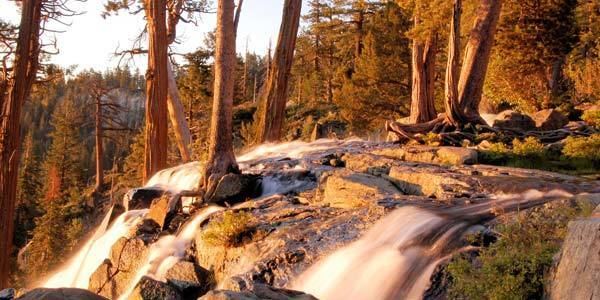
(168, 250)
(396, 257)
(77, 272)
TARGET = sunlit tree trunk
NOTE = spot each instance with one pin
(476, 59)
(451, 101)
(155, 154)
(23, 75)
(99, 145)
(221, 159)
(183, 136)
(422, 108)
(272, 111)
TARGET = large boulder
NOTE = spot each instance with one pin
(258, 292)
(113, 276)
(235, 188)
(150, 289)
(163, 209)
(578, 272)
(549, 119)
(60, 294)
(510, 119)
(190, 279)
(349, 190)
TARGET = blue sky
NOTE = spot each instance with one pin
(90, 41)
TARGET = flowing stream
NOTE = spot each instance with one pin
(393, 260)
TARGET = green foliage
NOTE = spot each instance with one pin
(586, 148)
(229, 231)
(497, 152)
(530, 147)
(515, 266)
(592, 117)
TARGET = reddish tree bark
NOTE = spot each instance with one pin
(451, 101)
(221, 159)
(476, 60)
(24, 72)
(272, 110)
(422, 108)
(155, 153)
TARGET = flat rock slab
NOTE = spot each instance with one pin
(350, 190)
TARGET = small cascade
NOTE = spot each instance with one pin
(168, 250)
(397, 256)
(77, 272)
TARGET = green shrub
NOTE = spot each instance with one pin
(587, 148)
(231, 230)
(592, 117)
(515, 266)
(496, 153)
(432, 139)
(530, 147)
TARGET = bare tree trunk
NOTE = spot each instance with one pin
(236, 19)
(155, 154)
(451, 103)
(99, 146)
(221, 159)
(476, 60)
(24, 71)
(272, 111)
(177, 116)
(422, 108)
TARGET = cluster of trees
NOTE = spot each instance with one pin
(360, 61)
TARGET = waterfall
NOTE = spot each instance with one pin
(77, 272)
(397, 256)
(168, 250)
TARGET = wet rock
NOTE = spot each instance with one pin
(510, 119)
(259, 292)
(150, 289)
(578, 272)
(112, 278)
(329, 129)
(549, 119)
(163, 209)
(60, 294)
(235, 188)
(190, 279)
(141, 198)
(349, 190)
(7, 294)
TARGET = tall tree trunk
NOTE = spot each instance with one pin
(99, 146)
(451, 101)
(155, 154)
(476, 60)
(236, 19)
(272, 112)
(359, 20)
(177, 116)
(221, 159)
(24, 71)
(422, 108)
(317, 61)
(183, 136)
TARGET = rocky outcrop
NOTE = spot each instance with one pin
(190, 279)
(578, 272)
(435, 155)
(350, 190)
(549, 119)
(112, 278)
(60, 294)
(150, 289)
(510, 119)
(259, 292)
(440, 185)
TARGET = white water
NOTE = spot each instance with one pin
(168, 250)
(78, 271)
(371, 267)
(397, 256)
